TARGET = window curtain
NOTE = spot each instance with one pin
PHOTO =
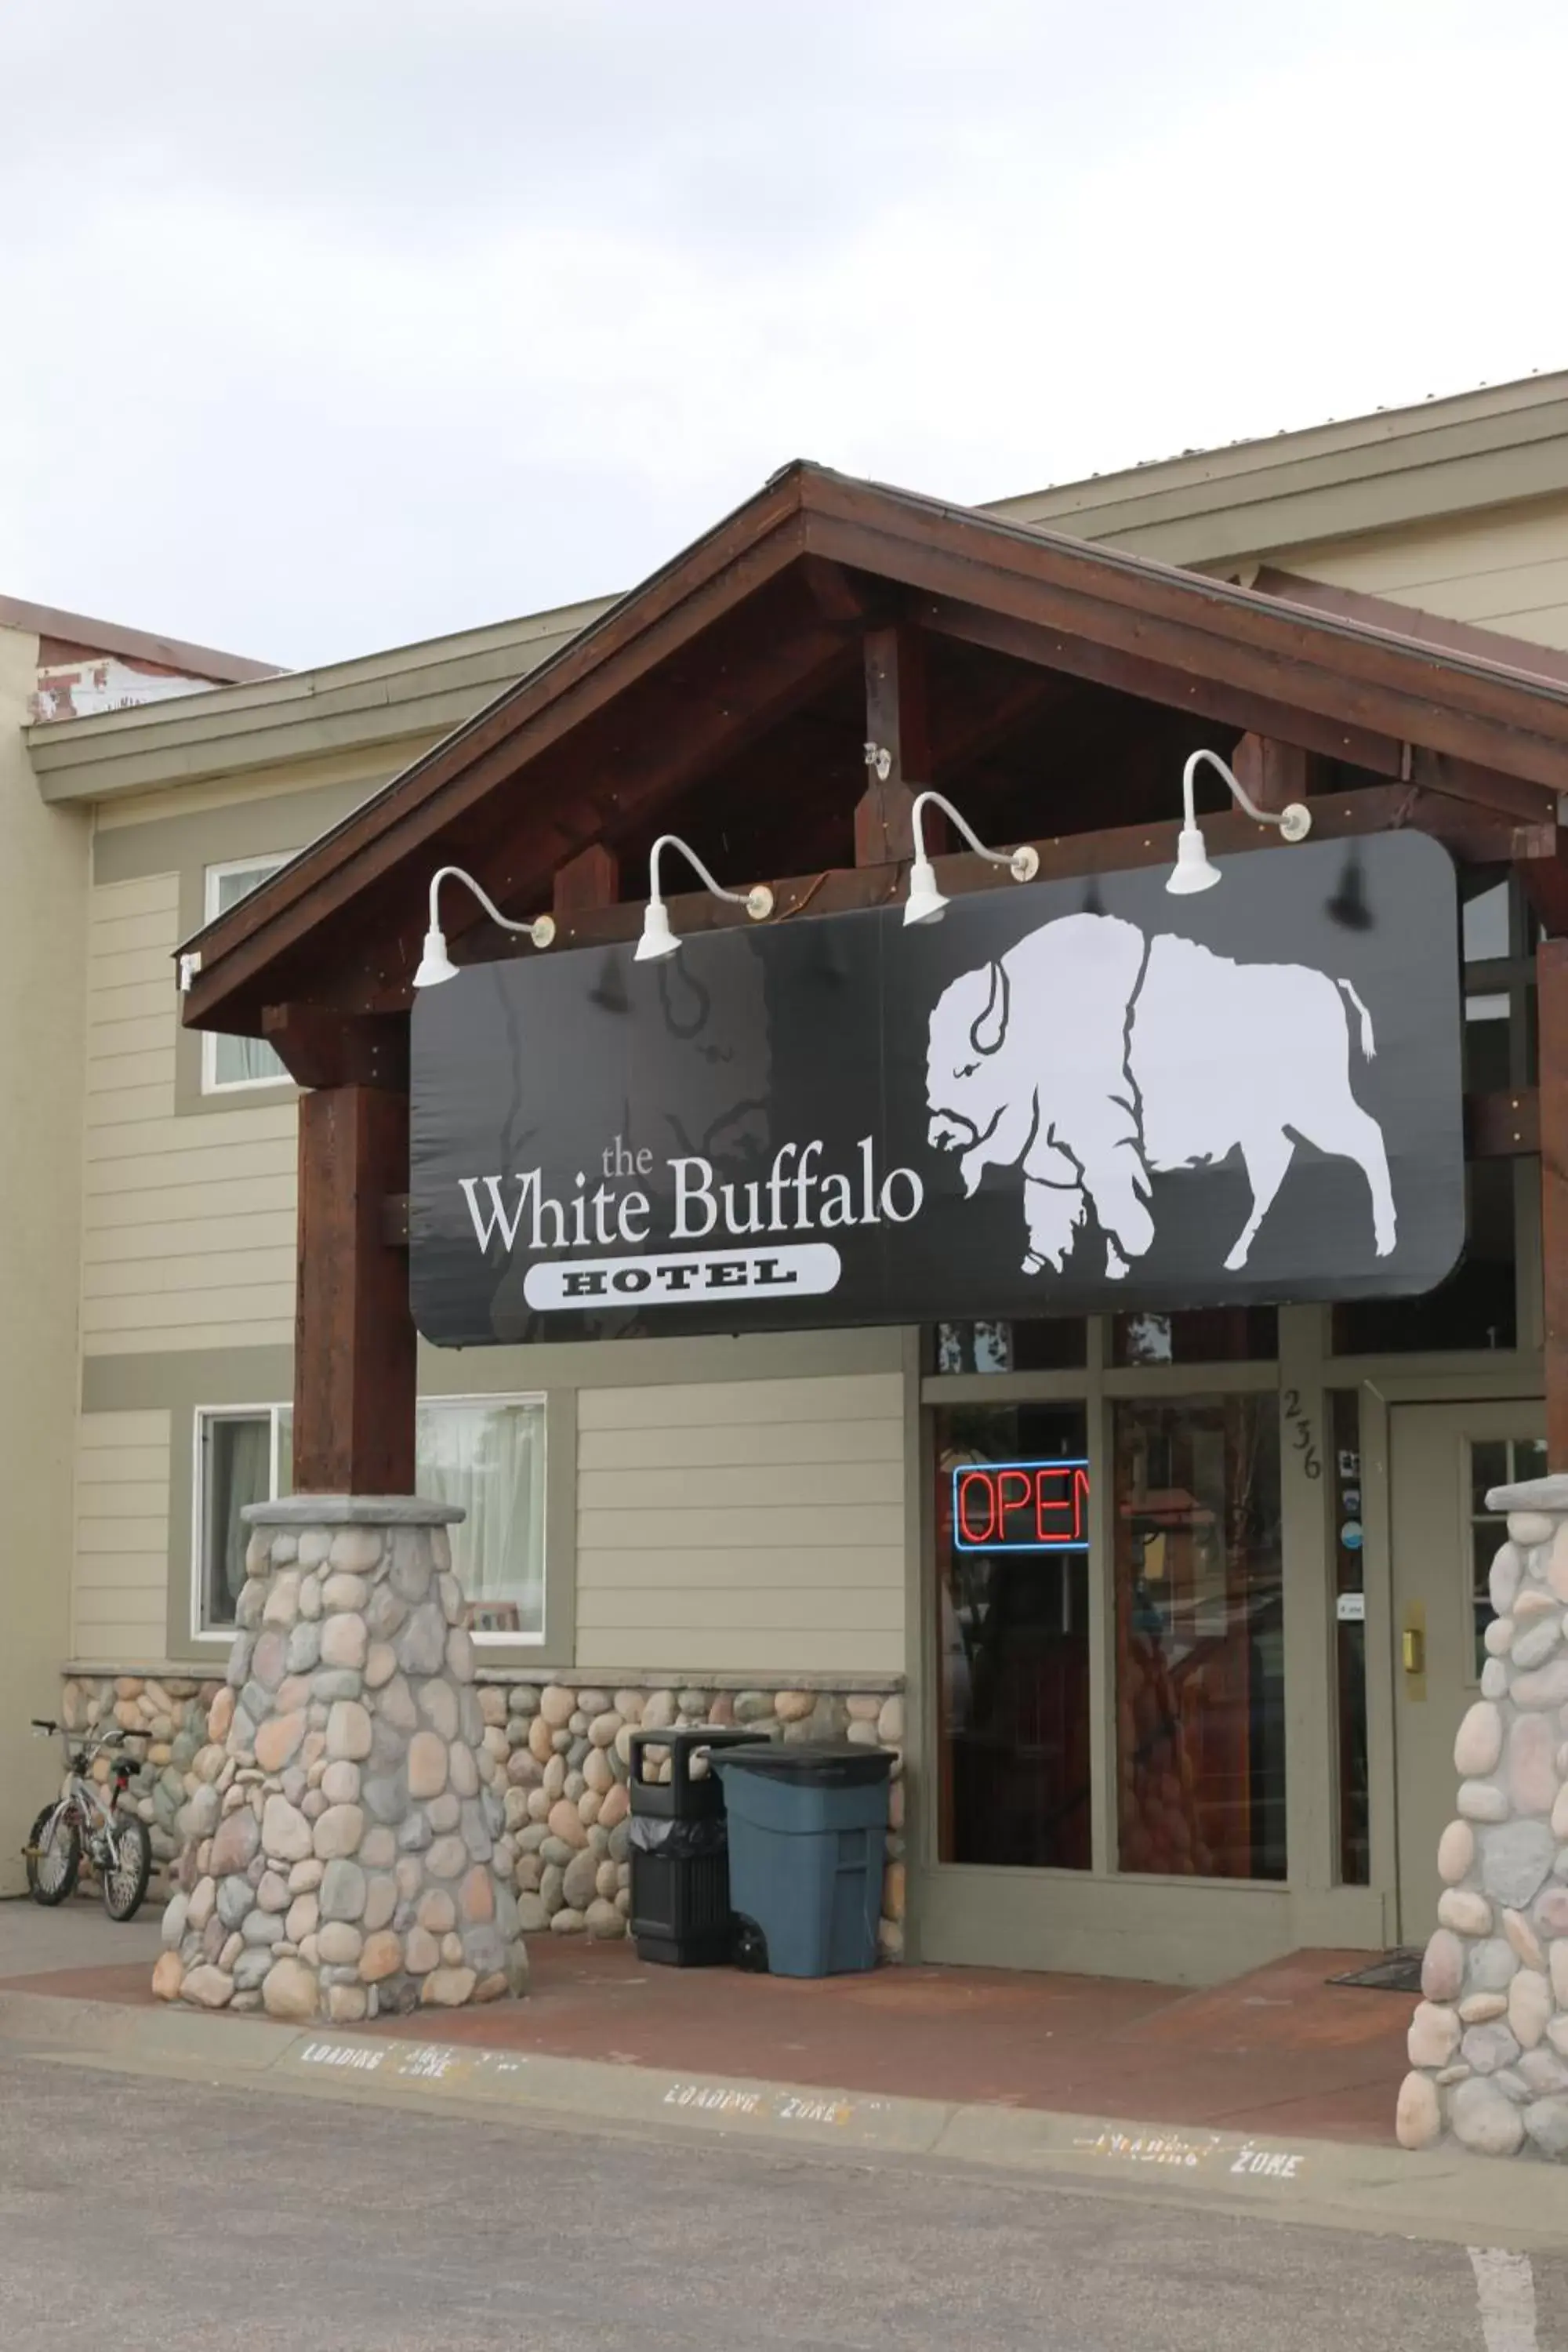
(238, 1061)
(239, 1471)
(490, 1460)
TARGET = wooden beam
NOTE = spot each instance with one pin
(898, 735)
(353, 1334)
(1129, 670)
(319, 1049)
(1545, 883)
(1552, 1010)
(1273, 774)
(591, 878)
(1435, 772)
(1333, 672)
(1474, 835)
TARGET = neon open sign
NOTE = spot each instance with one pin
(1021, 1507)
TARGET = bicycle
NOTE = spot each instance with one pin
(83, 1820)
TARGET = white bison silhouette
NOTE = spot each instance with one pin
(1092, 1057)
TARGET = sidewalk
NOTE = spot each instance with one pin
(1280, 2050)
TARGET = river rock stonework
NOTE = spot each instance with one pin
(338, 1839)
(561, 1746)
(1488, 2045)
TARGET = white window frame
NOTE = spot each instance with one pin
(515, 1396)
(205, 1415)
(214, 877)
(274, 1413)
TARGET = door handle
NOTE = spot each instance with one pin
(1414, 1650)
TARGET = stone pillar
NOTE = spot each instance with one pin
(339, 1853)
(1488, 2045)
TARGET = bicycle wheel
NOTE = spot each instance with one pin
(54, 1857)
(125, 1881)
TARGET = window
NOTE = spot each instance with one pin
(1494, 1462)
(1012, 1519)
(1044, 1343)
(1200, 1650)
(229, 1061)
(239, 1453)
(484, 1453)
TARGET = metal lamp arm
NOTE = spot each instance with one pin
(673, 841)
(1022, 863)
(758, 901)
(456, 874)
(1295, 820)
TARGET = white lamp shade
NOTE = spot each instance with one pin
(658, 940)
(925, 902)
(1192, 870)
(434, 965)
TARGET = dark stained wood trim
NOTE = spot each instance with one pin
(1503, 1125)
(1328, 674)
(783, 675)
(753, 548)
(355, 1345)
(394, 1221)
(898, 727)
(319, 1048)
(1551, 993)
(947, 549)
(1128, 670)
(1355, 693)
(1476, 834)
(1434, 771)
(1545, 881)
(591, 878)
(1274, 774)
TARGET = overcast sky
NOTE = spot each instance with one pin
(330, 324)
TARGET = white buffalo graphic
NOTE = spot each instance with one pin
(1093, 1058)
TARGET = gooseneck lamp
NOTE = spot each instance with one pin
(658, 940)
(1193, 870)
(435, 965)
(925, 902)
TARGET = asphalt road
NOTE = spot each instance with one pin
(138, 2212)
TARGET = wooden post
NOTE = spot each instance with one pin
(1273, 774)
(353, 1335)
(585, 883)
(1552, 994)
(896, 725)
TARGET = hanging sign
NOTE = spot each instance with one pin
(1064, 1097)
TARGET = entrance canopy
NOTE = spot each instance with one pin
(777, 695)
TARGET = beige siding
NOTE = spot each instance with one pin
(753, 1527)
(121, 1570)
(1506, 569)
(188, 1237)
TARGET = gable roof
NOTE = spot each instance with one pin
(1326, 681)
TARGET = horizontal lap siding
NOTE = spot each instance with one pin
(188, 1237)
(744, 1527)
(1505, 570)
(122, 1549)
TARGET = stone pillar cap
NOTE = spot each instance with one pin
(369, 1511)
(1532, 1494)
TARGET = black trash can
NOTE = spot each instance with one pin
(681, 1866)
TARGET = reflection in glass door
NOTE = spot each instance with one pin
(1012, 1531)
(1200, 1648)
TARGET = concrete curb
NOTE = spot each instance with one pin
(1323, 2183)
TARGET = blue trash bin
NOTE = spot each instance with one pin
(808, 1834)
